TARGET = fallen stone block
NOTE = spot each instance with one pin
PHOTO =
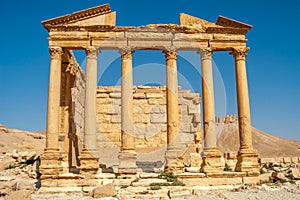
(19, 194)
(104, 191)
(6, 162)
(180, 192)
(296, 173)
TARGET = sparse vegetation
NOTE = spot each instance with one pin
(17, 165)
(227, 169)
(124, 186)
(172, 180)
(155, 187)
(144, 192)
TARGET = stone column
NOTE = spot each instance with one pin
(51, 158)
(127, 156)
(247, 156)
(211, 155)
(88, 159)
(174, 160)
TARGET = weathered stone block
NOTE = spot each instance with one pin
(255, 180)
(104, 191)
(158, 118)
(154, 101)
(195, 160)
(192, 109)
(155, 95)
(116, 95)
(179, 192)
(157, 109)
(141, 118)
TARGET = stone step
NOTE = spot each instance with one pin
(147, 182)
(144, 175)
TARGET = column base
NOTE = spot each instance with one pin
(174, 161)
(50, 166)
(88, 162)
(127, 162)
(211, 161)
(247, 161)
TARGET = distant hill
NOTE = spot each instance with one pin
(11, 139)
(266, 144)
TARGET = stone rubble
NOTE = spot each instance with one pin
(18, 172)
(20, 178)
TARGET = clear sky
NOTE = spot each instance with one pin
(273, 63)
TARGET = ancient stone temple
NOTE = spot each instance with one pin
(97, 133)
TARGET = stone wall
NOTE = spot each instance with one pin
(149, 117)
(78, 96)
(226, 119)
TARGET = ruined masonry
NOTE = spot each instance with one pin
(98, 135)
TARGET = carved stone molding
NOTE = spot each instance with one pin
(126, 52)
(92, 52)
(72, 68)
(170, 53)
(205, 53)
(56, 52)
(240, 54)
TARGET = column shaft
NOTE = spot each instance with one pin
(211, 156)
(247, 158)
(127, 102)
(50, 166)
(127, 156)
(172, 96)
(53, 112)
(88, 158)
(90, 124)
(243, 99)
(174, 159)
(210, 139)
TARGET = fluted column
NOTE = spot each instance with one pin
(211, 155)
(127, 156)
(51, 159)
(88, 159)
(247, 156)
(173, 157)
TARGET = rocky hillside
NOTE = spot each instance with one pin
(12, 139)
(266, 144)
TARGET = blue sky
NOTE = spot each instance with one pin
(273, 63)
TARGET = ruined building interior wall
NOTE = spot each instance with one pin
(78, 94)
(149, 117)
(71, 116)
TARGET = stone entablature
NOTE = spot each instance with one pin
(79, 31)
(149, 116)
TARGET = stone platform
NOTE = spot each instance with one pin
(147, 182)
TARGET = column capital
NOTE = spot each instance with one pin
(240, 53)
(205, 53)
(170, 53)
(56, 52)
(126, 52)
(92, 52)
